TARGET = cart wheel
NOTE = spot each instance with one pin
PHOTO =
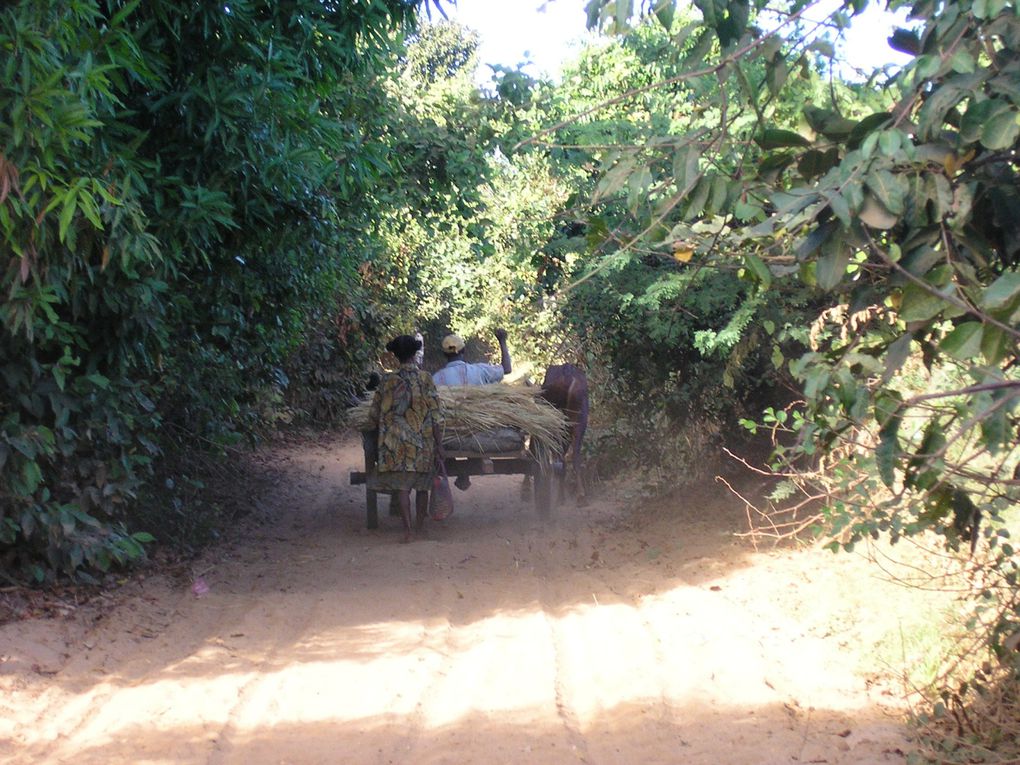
(372, 507)
(544, 495)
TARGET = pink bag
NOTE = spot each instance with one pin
(441, 500)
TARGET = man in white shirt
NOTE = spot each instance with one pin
(459, 372)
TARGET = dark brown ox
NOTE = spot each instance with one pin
(566, 387)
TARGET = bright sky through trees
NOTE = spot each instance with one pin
(523, 31)
(546, 33)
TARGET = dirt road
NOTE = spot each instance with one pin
(619, 633)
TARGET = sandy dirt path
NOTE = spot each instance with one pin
(617, 633)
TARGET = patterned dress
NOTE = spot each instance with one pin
(405, 411)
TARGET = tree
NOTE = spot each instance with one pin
(660, 336)
(440, 51)
(907, 225)
(900, 218)
(174, 183)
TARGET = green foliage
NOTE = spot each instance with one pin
(172, 181)
(84, 302)
(906, 233)
(893, 209)
(662, 335)
(440, 51)
(460, 225)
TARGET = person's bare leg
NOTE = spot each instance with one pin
(405, 513)
(421, 503)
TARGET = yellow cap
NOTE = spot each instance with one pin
(453, 344)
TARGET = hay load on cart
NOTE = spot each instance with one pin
(487, 430)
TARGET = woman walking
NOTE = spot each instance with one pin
(406, 414)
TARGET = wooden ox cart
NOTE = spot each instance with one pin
(489, 430)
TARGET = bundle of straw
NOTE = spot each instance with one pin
(473, 409)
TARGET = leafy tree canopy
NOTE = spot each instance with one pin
(887, 210)
(179, 189)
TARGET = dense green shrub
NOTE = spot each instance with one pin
(179, 189)
(895, 205)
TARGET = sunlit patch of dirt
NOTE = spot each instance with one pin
(621, 632)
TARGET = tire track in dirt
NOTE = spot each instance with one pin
(606, 654)
(530, 542)
(561, 680)
(496, 654)
(257, 693)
